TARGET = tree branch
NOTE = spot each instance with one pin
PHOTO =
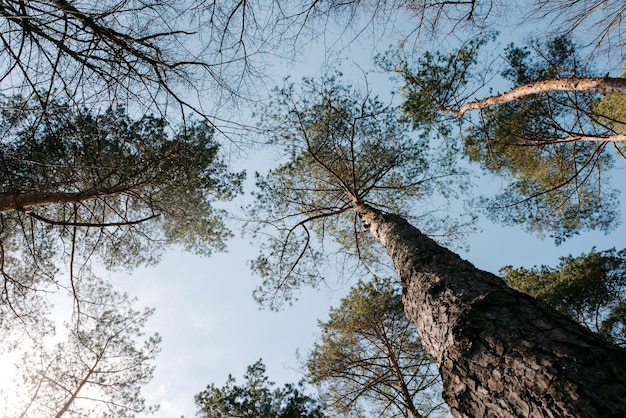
(602, 85)
(22, 201)
(89, 224)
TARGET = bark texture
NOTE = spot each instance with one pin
(501, 353)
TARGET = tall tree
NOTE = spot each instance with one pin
(546, 136)
(363, 146)
(256, 399)
(99, 368)
(370, 358)
(590, 288)
(499, 352)
(105, 187)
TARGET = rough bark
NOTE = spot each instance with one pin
(501, 353)
(602, 85)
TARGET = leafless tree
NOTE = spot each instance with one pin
(194, 55)
(601, 24)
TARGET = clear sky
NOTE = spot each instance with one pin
(210, 324)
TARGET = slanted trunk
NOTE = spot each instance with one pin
(24, 201)
(501, 353)
(605, 85)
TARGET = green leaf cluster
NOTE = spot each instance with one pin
(436, 81)
(256, 399)
(611, 111)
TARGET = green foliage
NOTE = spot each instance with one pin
(555, 58)
(590, 288)
(437, 81)
(611, 112)
(340, 148)
(122, 190)
(555, 186)
(99, 368)
(137, 170)
(370, 357)
(256, 399)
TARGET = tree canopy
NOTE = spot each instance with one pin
(86, 178)
(479, 331)
(547, 137)
(84, 186)
(99, 369)
(345, 148)
(256, 399)
(370, 360)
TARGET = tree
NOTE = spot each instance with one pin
(99, 368)
(547, 137)
(589, 288)
(499, 352)
(255, 399)
(105, 187)
(364, 147)
(601, 21)
(149, 54)
(370, 358)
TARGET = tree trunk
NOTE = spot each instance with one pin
(23, 201)
(606, 85)
(501, 353)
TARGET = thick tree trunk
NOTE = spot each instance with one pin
(500, 353)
